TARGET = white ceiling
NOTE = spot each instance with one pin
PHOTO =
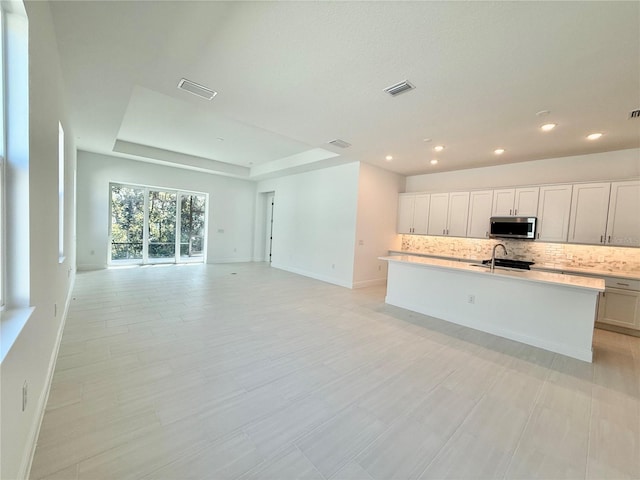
(292, 76)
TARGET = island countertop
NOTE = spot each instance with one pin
(573, 281)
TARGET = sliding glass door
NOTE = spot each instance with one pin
(127, 223)
(192, 220)
(162, 227)
(156, 226)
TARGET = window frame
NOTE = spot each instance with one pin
(61, 180)
(3, 149)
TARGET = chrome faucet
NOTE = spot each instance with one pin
(493, 255)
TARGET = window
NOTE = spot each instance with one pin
(60, 193)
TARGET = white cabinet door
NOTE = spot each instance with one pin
(554, 208)
(526, 202)
(480, 204)
(620, 307)
(503, 202)
(421, 214)
(623, 225)
(406, 205)
(438, 214)
(458, 214)
(589, 207)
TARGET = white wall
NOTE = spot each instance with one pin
(314, 222)
(231, 206)
(618, 165)
(376, 224)
(32, 356)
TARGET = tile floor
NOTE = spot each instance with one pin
(244, 371)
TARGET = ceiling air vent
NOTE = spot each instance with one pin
(399, 88)
(340, 143)
(635, 114)
(194, 88)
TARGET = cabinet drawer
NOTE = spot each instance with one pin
(622, 283)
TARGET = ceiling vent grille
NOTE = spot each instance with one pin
(635, 114)
(340, 143)
(399, 88)
(196, 89)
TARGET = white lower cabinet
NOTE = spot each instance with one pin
(620, 303)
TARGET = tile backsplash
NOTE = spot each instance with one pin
(611, 259)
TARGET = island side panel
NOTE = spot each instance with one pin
(553, 317)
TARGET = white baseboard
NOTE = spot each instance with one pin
(90, 266)
(230, 260)
(34, 432)
(370, 283)
(316, 276)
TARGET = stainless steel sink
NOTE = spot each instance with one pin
(488, 268)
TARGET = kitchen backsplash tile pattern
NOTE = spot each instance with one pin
(554, 255)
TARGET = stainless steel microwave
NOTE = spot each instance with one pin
(513, 227)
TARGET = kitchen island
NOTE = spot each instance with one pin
(552, 311)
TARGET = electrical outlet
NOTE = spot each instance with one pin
(360, 242)
(471, 299)
(379, 268)
(25, 391)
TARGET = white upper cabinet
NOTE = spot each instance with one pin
(421, 214)
(480, 204)
(515, 201)
(554, 208)
(503, 202)
(623, 224)
(413, 211)
(438, 212)
(526, 202)
(458, 214)
(589, 207)
(406, 205)
(448, 213)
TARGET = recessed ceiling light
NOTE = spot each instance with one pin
(594, 136)
(388, 158)
(499, 151)
(220, 139)
(543, 113)
(426, 140)
(547, 127)
(438, 148)
(434, 162)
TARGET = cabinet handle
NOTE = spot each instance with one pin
(609, 240)
(623, 284)
(515, 212)
(509, 211)
(486, 234)
(447, 231)
(601, 237)
(538, 235)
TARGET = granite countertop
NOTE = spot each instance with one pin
(554, 267)
(575, 281)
